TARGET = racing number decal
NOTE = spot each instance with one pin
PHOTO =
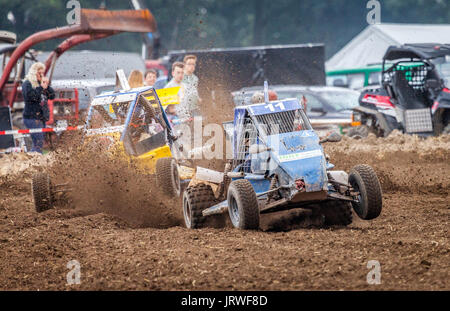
(280, 105)
(272, 108)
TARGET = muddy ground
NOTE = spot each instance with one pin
(127, 237)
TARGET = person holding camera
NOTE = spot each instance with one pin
(36, 91)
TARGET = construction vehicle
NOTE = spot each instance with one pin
(94, 25)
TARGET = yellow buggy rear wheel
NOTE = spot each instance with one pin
(168, 177)
(41, 190)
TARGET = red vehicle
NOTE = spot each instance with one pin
(94, 25)
(156, 65)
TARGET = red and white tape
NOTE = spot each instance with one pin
(41, 130)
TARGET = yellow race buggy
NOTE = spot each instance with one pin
(131, 124)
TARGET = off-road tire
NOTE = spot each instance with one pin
(439, 126)
(337, 213)
(358, 132)
(242, 202)
(41, 190)
(364, 179)
(446, 130)
(196, 199)
(168, 177)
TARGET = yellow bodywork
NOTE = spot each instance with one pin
(147, 161)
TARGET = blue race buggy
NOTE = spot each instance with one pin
(278, 163)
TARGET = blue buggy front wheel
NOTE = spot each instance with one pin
(197, 198)
(243, 205)
(364, 180)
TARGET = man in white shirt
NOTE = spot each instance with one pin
(183, 110)
(177, 75)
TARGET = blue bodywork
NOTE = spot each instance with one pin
(295, 157)
(300, 156)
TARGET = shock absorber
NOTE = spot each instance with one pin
(226, 181)
(273, 185)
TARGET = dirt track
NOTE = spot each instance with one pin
(127, 238)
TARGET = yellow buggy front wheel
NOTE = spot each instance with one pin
(168, 177)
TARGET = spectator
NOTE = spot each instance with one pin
(150, 77)
(177, 75)
(36, 91)
(273, 95)
(136, 79)
(160, 83)
(177, 78)
(258, 97)
(172, 115)
(191, 82)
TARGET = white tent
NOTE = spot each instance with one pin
(370, 45)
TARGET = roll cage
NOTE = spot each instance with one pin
(144, 107)
(417, 57)
(255, 123)
(413, 68)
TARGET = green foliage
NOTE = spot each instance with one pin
(197, 24)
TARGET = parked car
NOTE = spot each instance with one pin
(329, 108)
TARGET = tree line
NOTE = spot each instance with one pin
(199, 24)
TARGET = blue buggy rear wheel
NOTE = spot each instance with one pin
(196, 199)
